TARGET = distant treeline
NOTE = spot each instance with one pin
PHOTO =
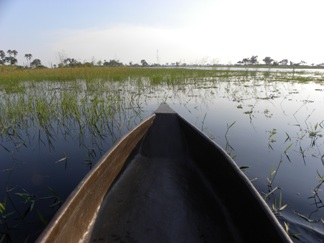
(9, 58)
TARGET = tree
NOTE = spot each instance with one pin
(71, 62)
(297, 63)
(268, 60)
(36, 63)
(254, 60)
(113, 63)
(28, 58)
(283, 62)
(246, 61)
(67, 61)
(87, 64)
(2, 57)
(144, 63)
(11, 60)
(14, 52)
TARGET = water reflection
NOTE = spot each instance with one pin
(294, 152)
(54, 132)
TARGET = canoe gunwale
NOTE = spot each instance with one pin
(248, 184)
(108, 166)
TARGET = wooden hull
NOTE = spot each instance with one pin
(165, 182)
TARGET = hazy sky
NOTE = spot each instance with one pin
(191, 31)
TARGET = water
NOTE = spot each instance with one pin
(272, 126)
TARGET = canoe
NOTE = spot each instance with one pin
(165, 181)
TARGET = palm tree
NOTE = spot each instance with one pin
(14, 52)
(11, 59)
(28, 58)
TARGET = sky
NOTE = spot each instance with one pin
(168, 31)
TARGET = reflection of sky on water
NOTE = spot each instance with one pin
(292, 108)
(257, 107)
(272, 69)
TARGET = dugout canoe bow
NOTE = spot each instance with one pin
(165, 181)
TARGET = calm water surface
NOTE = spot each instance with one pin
(273, 127)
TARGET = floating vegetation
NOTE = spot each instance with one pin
(277, 206)
(287, 229)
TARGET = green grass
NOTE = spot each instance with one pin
(91, 96)
(11, 74)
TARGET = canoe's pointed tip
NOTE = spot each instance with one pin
(164, 108)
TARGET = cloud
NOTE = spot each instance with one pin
(221, 31)
(133, 43)
(180, 30)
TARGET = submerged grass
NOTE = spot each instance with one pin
(98, 102)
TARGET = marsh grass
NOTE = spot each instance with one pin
(88, 97)
(95, 105)
(9, 75)
(92, 98)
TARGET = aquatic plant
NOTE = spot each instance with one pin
(91, 108)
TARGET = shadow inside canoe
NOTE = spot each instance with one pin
(177, 186)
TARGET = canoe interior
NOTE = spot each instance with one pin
(178, 186)
(165, 182)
